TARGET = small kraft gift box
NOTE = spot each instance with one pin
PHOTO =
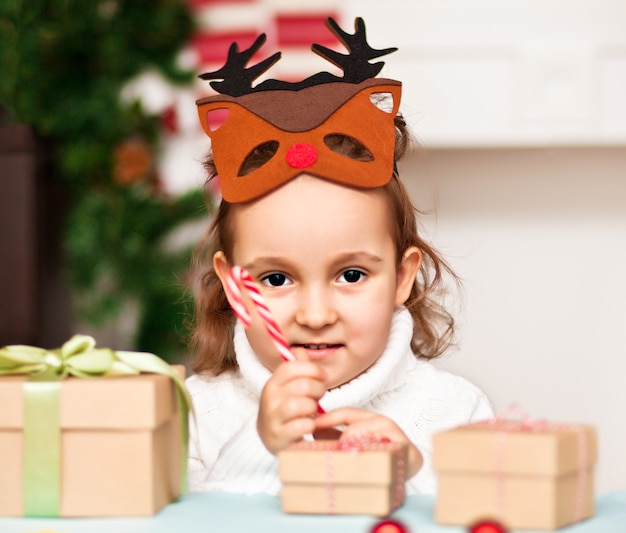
(343, 477)
(527, 475)
(94, 443)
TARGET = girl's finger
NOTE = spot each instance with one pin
(290, 370)
(310, 388)
(295, 429)
(297, 407)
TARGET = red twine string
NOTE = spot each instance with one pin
(527, 423)
(360, 443)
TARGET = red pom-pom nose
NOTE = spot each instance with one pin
(301, 155)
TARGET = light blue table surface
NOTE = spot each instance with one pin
(221, 512)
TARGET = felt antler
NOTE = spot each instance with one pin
(236, 78)
(355, 65)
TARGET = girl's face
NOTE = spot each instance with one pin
(324, 258)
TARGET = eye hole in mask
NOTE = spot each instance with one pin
(259, 155)
(348, 146)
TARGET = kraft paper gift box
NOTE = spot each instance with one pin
(527, 476)
(121, 448)
(330, 477)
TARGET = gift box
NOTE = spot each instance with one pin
(96, 447)
(525, 475)
(335, 477)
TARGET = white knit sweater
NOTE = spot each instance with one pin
(226, 453)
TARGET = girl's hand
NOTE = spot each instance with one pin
(360, 421)
(288, 404)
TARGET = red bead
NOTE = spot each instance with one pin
(389, 526)
(487, 526)
(301, 155)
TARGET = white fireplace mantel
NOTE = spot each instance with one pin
(505, 72)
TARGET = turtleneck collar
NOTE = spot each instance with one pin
(381, 377)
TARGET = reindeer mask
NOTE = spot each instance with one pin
(296, 120)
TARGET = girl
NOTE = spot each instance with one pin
(314, 209)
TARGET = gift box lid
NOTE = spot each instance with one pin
(120, 402)
(511, 448)
(316, 462)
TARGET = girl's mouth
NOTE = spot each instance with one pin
(319, 346)
(318, 351)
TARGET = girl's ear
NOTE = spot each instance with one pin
(221, 267)
(405, 277)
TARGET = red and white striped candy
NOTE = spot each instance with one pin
(238, 277)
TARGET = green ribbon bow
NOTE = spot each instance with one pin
(78, 357)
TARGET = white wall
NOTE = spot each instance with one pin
(539, 238)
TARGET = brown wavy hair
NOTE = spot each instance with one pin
(211, 341)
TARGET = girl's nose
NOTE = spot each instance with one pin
(315, 309)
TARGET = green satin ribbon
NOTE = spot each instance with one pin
(42, 448)
(78, 357)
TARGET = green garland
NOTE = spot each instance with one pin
(64, 64)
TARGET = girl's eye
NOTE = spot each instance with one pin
(275, 280)
(352, 276)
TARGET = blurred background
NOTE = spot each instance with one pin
(520, 172)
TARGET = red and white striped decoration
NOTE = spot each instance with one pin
(291, 27)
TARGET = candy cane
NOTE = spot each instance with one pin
(239, 277)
